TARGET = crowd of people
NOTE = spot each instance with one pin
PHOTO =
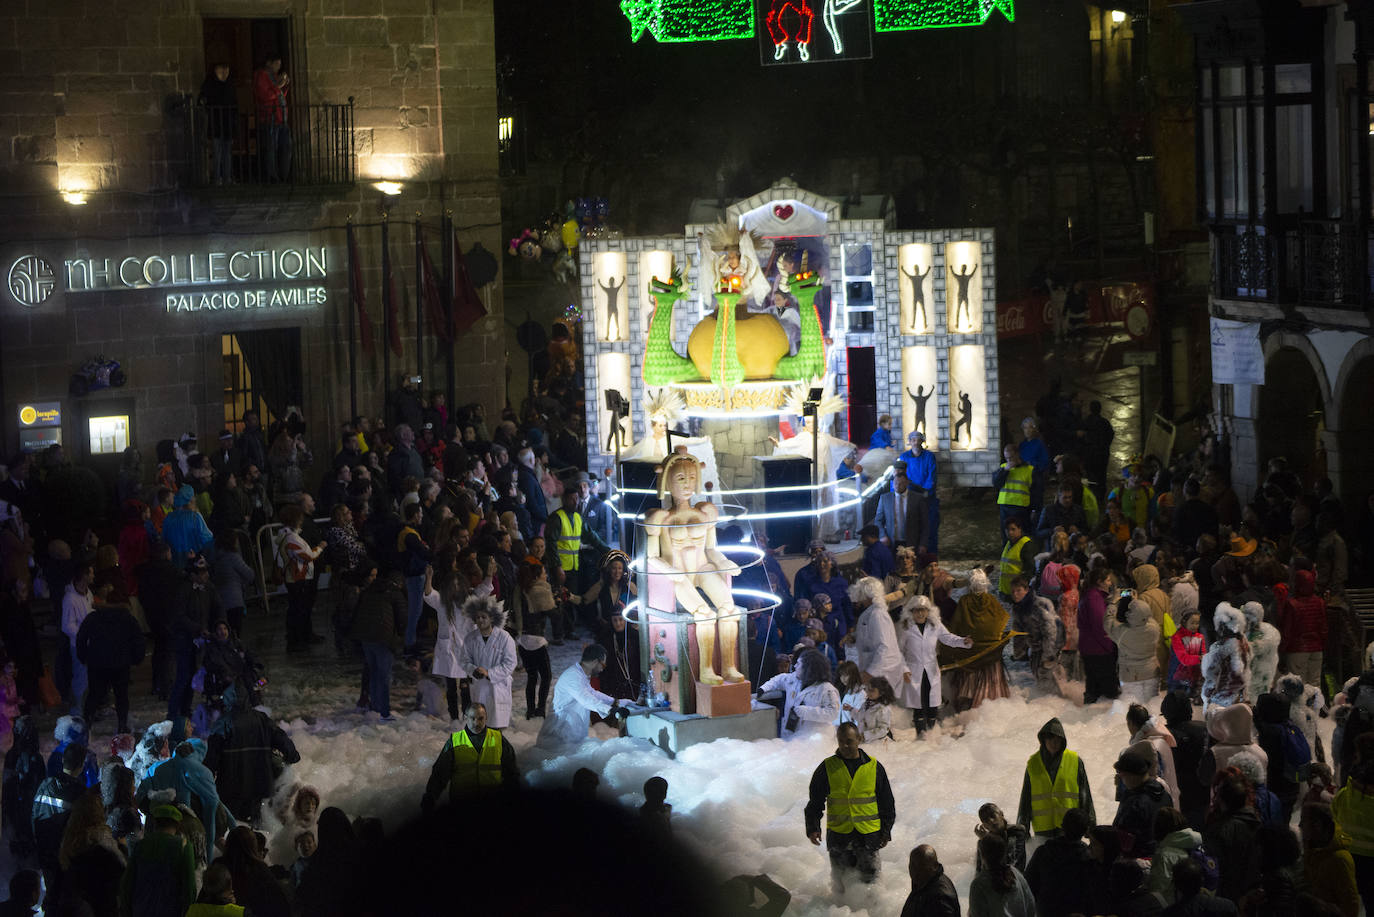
(459, 551)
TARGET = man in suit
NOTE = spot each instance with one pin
(595, 510)
(225, 459)
(902, 512)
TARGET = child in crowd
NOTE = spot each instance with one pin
(656, 813)
(1117, 523)
(9, 702)
(1188, 646)
(815, 630)
(874, 718)
(852, 692)
(991, 821)
(305, 849)
(1069, 577)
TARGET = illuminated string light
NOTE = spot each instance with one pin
(901, 15)
(770, 601)
(689, 20)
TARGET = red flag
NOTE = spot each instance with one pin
(429, 289)
(468, 308)
(393, 322)
(364, 320)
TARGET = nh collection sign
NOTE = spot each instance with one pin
(187, 280)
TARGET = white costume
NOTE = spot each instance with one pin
(1264, 651)
(663, 408)
(830, 450)
(853, 700)
(876, 640)
(874, 722)
(574, 700)
(448, 648)
(496, 654)
(817, 707)
(919, 651)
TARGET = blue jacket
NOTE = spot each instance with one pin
(188, 776)
(920, 470)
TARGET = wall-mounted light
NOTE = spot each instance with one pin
(75, 198)
(1118, 17)
(389, 188)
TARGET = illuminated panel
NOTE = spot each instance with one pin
(651, 264)
(690, 20)
(613, 372)
(919, 373)
(964, 287)
(968, 399)
(901, 15)
(916, 290)
(611, 297)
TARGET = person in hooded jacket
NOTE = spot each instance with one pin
(191, 782)
(1327, 862)
(1230, 836)
(1303, 628)
(1174, 842)
(1136, 637)
(1226, 667)
(1055, 783)
(1305, 704)
(1059, 871)
(73, 730)
(811, 704)
(1231, 729)
(1265, 640)
(52, 808)
(1152, 738)
(24, 771)
(1147, 589)
(1272, 726)
(329, 880)
(1141, 798)
(1190, 744)
(243, 746)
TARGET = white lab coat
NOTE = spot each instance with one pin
(818, 707)
(574, 700)
(876, 640)
(448, 648)
(854, 699)
(919, 652)
(496, 654)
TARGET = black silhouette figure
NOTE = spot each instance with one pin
(920, 397)
(962, 280)
(612, 307)
(965, 417)
(918, 296)
(617, 433)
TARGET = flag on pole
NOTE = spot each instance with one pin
(429, 289)
(468, 308)
(364, 320)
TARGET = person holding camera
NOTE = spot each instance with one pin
(1136, 636)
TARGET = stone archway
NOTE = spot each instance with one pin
(1353, 474)
(1291, 409)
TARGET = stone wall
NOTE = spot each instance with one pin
(736, 443)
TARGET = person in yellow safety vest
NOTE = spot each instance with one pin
(1055, 782)
(1018, 555)
(1013, 482)
(474, 758)
(566, 532)
(851, 789)
(1353, 810)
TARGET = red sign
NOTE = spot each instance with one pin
(1034, 313)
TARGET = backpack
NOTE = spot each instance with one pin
(1297, 754)
(1049, 579)
(1211, 873)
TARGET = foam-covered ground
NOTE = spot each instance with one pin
(737, 803)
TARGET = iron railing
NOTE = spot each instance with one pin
(314, 147)
(1306, 263)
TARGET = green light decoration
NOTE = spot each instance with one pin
(901, 15)
(691, 20)
(662, 364)
(809, 360)
(726, 369)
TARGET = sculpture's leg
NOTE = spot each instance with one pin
(727, 620)
(706, 646)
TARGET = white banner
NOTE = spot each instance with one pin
(1237, 357)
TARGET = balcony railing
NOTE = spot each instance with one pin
(313, 147)
(1324, 263)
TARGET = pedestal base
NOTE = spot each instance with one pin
(674, 732)
(723, 700)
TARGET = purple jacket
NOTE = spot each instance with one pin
(1092, 633)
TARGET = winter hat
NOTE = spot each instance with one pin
(815, 624)
(168, 812)
(1228, 619)
(71, 729)
(185, 496)
(820, 598)
(801, 605)
(1250, 766)
(1183, 599)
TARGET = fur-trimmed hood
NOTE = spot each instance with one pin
(70, 729)
(1183, 597)
(1228, 619)
(1254, 614)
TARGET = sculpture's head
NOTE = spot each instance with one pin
(679, 475)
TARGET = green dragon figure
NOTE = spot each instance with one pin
(662, 364)
(809, 360)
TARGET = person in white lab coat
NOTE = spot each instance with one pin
(875, 638)
(921, 630)
(489, 658)
(455, 629)
(574, 700)
(811, 704)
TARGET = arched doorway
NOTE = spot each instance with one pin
(1290, 413)
(1357, 433)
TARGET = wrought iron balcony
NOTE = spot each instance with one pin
(313, 146)
(1321, 263)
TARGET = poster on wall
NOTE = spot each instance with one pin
(1237, 356)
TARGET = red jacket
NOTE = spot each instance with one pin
(269, 97)
(1302, 617)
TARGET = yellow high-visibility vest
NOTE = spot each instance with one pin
(853, 801)
(1016, 489)
(1353, 811)
(472, 770)
(569, 541)
(1051, 799)
(1011, 564)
